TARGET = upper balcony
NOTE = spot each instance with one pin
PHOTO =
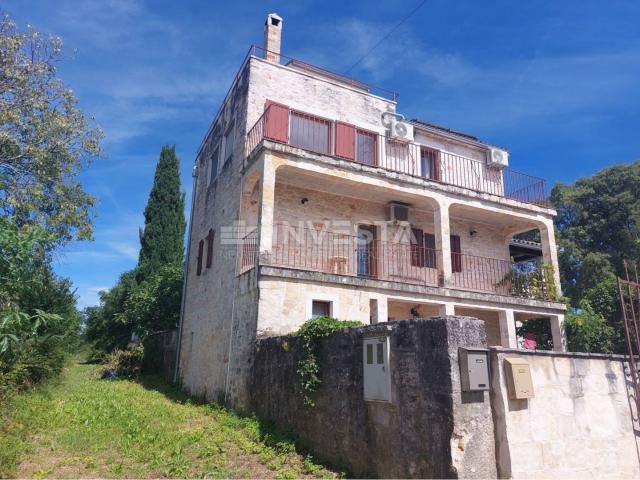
(330, 137)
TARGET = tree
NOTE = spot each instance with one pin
(162, 238)
(45, 139)
(598, 226)
(588, 331)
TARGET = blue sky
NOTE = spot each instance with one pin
(557, 83)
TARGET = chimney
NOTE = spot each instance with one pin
(272, 37)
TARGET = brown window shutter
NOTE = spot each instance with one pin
(345, 141)
(417, 247)
(437, 174)
(210, 248)
(430, 250)
(200, 249)
(456, 254)
(276, 122)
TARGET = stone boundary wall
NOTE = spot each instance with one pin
(430, 429)
(579, 424)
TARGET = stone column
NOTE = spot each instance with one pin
(550, 251)
(443, 245)
(557, 333)
(507, 329)
(267, 206)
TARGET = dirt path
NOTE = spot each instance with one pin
(91, 428)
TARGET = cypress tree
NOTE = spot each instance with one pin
(162, 239)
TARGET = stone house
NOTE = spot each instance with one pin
(312, 195)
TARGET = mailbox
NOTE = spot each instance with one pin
(518, 375)
(474, 369)
(377, 374)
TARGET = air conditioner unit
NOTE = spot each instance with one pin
(496, 157)
(401, 131)
(397, 212)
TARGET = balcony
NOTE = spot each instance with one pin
(357, 256)
(323, 136)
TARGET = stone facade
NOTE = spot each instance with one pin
(229, 304)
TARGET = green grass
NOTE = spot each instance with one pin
(81, 426)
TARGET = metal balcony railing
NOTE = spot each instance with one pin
(327, 137)
(338, 253)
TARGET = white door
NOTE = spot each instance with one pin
(377, 375)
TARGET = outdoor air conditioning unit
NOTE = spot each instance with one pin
(399, 130)
(498, 158)
(397, 212)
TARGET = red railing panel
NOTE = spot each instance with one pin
(276, 122)
(345, 141)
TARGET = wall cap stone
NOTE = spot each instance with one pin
(550, 353)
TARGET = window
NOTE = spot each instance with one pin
(213, 172)
(200, 249)
(423, 249)
(430, 163)
(320, 309)
(456, 254)
(369, 354)
(380, 353)
(209, 248)
(366, 147)
(229, 138)
(310, 133)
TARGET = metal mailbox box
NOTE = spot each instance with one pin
(474, 369)
(518, 375)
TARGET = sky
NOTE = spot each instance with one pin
(556, 83)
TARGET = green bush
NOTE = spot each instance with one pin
(588, 331)
(126, 363)
(310, 333)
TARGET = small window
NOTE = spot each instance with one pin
(209, 248)
(320, 309)
(200, 251)
(380, 353)
(369, 354)
(213, 172)
(229, 138)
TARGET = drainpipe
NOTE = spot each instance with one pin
(194, 175)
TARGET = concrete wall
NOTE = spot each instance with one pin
(430, 429)
(578, 425)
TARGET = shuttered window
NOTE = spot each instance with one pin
(423, 249)
(345, 141)
(209, 248)
(456, 254)
(200, 250)
(276, 126)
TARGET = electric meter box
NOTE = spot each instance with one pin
(474, 369)
(376, 369)
(518, 376)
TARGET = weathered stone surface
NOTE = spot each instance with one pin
(428, 430)
(578, 425)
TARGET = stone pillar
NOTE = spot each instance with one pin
(557, 333)
(550, 251)
(507, 329)
(443, 245)
(267, 205)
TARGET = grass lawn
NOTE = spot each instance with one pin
(81, 426)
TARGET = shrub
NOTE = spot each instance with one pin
(126, 363)
(588, 331)
(310, 333)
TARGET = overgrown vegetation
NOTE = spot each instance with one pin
(82, 427)
(311, 333)
(146, 300)
(598, 226)
(588, 331)
(126, 362)
(45, 142)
